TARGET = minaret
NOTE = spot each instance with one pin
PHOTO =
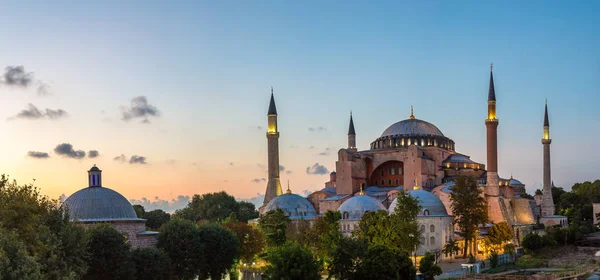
(273, 185)
(547, 202)
(491, 123)
(496, 213)
(351, 135)
(95, 177)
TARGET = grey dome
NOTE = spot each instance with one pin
(293, 205)
(428, 201)
(412, 127)
(515, 182)
(99, 204)
(355, 207)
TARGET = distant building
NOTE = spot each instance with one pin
(97, 204)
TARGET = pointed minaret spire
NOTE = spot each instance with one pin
(546, 122)
(272, 108)
(492, 90)
(288, 189)
(351, 135)
(547, 205)
(412, 115)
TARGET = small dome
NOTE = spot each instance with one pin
(412, 127)
(431, 205)
(460, 158)
(95, 168)
(293, 205)
(515, 182)
(99, 204)
(355, 207)
(332, 173)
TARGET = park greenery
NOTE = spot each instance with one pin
(212, 237)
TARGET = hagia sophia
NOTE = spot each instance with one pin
(414, 155)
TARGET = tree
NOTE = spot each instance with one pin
(381, 262)
(150, 263)
(509, 249)
(274, 224)
(15, 262)
(451, 248)
(326, 232)
(291, 262)
(210, 207)
(346, 258)
(493, 258)
(469, 207)
(399, 230)
(499, 234)
(301, 232)
(219, 248)
(428, 267)
(247, 211)
(251, 240)
(156, 218)
(178, 238)
(139, 211)
(109, 254)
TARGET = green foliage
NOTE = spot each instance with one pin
(526, 195)
(529, 261)
(451, 248)
(217, 206)
(57, 245)
(498, 235)
(139, 211)
(219, 248)
(150, 263)
(156, 218)
(109, 254)
(538, 192)
(493, 258)
(178, 238)
(468, 206)
(345, 258)
(381, 262)
(326, 232)
(290, 261)
(399, 230)
(15, 262)
(251, 240)
(533, 242)
(274, 225)
(301, 232)
(510, 249)
(428, 267)
(472, 259)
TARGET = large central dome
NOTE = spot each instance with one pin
(412, 127)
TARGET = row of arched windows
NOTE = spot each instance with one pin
(393, 142)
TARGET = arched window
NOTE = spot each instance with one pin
(431, 228)
(426, 212)
(390, 182)
(422, 228)
(397, 182)
(382, 172)
(345, 215)
(431, 241)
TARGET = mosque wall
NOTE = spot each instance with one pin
(523, 211)
(435, 232)
(130, 229)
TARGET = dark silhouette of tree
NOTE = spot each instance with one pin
(274, 225)
(251, 240)
(346, 258)
(469, 207)
(150, 264)
(428, 267)
(247, 211)
(219, 248)
(179, 240)
(139, 211)
(109, 254)
(156, 218)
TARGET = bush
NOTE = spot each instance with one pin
(109, 254)
(290, 261)
(533, 242)
(529, 261)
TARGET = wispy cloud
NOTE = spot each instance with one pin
(122, 158)
(139, 109)
(93, 154)
(135, 159)
(317, 129)
(169, 206)
(66, 150)
(326, 152)
(316, 169)
(40, 155)
(258, 180)
(33, 113)
(17, 76)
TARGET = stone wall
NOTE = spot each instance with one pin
(523, 211)
(131, 230)
(596, 207)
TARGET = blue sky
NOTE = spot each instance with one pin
(208, 68)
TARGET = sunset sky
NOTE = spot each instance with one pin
(185, 86)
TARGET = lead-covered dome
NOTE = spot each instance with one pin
(412, 127)
(293, 205)
(431, 205)
(99, 204)
(355, 207)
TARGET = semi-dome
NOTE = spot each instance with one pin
(293, 205)
(514, 182)
(99, 204)
(431, 205)
(412, 127)
(355, 207)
